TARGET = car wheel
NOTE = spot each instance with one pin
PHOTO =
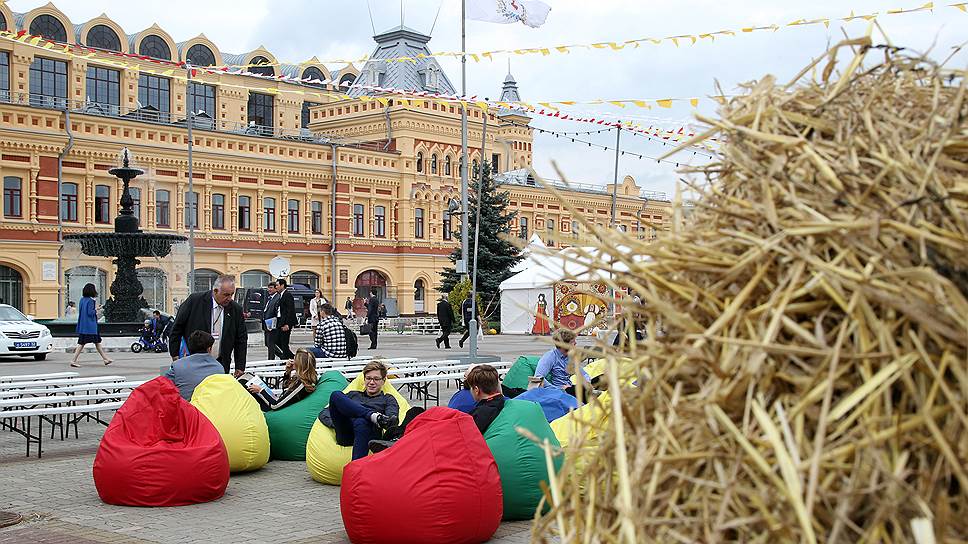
(40, 357)
(136, 347)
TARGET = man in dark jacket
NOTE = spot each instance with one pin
(445, 317)
(216, 313)
(485, 386)
(466, 309)
(287, 319)
(271, 311)
(373, 316)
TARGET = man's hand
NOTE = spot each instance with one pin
(238, 372)
(253, 388)
(285, 328)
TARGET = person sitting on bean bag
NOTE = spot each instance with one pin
(186, 373)
(295, 388)
(359, 416)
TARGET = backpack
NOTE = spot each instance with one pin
(352, 344)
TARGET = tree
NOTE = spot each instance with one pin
(497, 254)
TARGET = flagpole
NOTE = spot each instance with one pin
(462, 269)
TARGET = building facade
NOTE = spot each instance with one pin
(265, 156)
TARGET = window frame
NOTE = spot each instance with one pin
(157, 41)
(218, 212)
(102, 204)
(151, 85)
(447, 226)
(107, 33)
(257, 108)
(305, 119)
(110, 93)
(523, 227)
(292, 216)
(380, 221)
(210, 61)
(191, 207)
(194, 98)
(162, 209)
(418, 223)
(13, 198)
(38, 79)
(245, 213)
(68, 209)
(5, 75)
(419, 162)
(135, 193)
(317, 217)
(359, 219)
(268, 214)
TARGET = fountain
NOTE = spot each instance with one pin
(125, 245)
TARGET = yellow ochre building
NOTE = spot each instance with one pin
(262, 168)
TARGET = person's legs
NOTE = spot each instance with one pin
(351, 421)
(396, 431)
(318, 353)
(104, 356)
(373, 327)
(271, 344)
(467, 334)
(77, 353)
(445, 337)
(282, 344)
(362, 434)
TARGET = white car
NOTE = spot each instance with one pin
(21, 336)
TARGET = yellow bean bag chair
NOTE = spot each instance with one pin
(597, 368)
(325, 458)
(238, 418)
(587, 422)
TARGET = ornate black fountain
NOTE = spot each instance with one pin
(125, 244)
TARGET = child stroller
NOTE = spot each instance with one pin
(149, 341)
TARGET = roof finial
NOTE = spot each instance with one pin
(401, 13)
(370, 11)
(509, 65)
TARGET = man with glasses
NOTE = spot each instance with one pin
(216, 313)
(361, 416)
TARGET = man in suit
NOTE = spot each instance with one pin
(445, 317)
(287, 319)
(216, 313)
(373, 316)
(271, 310)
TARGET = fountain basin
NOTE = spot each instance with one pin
(126, 244)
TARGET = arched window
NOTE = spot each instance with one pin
(433, 163)
(312, 73)
(155, 47)
(11, 287)
(447, 165)
(419, 296)
(200, 55)
(305, 277)
(79, 276)
(102, 37)
(371, 279)
(49, 27)
(154, 282)
(419, 162)
(3, 22)
(204, 279)
(266, 70)
(254, 279)
(346, 81)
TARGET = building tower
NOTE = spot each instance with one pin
(515, 132)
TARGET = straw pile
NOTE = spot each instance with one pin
(812, 381)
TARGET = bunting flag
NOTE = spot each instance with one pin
(621, 45)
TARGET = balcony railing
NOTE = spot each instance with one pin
(149, 114)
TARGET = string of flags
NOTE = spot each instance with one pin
(571, 136)
(640, 156)
(621, 45)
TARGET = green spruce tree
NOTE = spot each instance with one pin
(497, 255)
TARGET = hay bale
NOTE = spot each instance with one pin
(812, 381)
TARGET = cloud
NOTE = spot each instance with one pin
(298, 29)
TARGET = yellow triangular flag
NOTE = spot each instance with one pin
(616, 103)
(664, 103)
(642, 104)
(694, 102)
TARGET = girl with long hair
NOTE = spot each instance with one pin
(298, 382)
(87, 329)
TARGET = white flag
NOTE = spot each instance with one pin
(530, 12)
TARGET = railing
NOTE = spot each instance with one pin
(148, 114)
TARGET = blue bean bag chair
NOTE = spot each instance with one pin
(462, 401)
(554, 402)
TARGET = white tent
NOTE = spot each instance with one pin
(523, 292)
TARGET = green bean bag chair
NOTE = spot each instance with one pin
(522, 369)
(289, 427)
(520, 462)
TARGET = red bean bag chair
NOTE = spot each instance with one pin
(437, 484)
(159, 450)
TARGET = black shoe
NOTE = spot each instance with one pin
(446, 346)
(461, 343)
(383, 421)
(376, 446)
(438, 343)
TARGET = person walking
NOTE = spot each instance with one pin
(270, 318)
(465, 308)
(445, 318)
(373, 316)
(287, 318)
(216, 313)
(316, 309)
(87, 332)
(348, 307)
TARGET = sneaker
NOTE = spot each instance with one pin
(383, 421)
(376, 446)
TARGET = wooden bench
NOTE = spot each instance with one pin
(35, 377)
(59, 382)
(48, 414)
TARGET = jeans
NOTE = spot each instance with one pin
(351, 421)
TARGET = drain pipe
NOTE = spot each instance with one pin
(60, 218)
(332, 222)
(386, 112)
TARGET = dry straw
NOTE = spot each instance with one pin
(811, 384)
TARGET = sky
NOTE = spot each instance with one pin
(295, 30)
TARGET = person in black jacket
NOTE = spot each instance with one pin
(485, 387)
(445, 317)
(270, 310)
(287, 319)
(373, 316)
(216, 313)
(466, 309)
